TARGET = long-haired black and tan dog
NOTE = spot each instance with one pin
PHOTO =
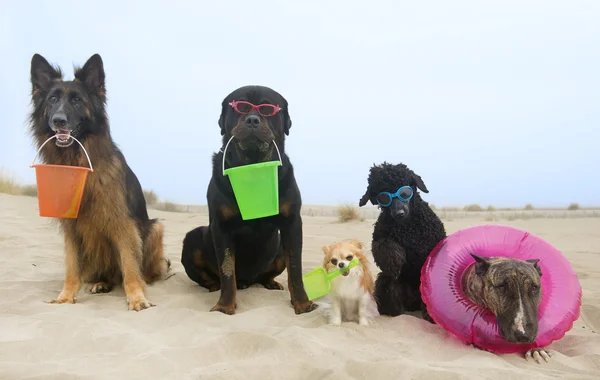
(231, 253)
(112, 240)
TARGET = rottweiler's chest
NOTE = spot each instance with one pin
(254, 230)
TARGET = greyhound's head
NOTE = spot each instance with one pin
(511, 289)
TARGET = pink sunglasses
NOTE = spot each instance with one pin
(244, 107)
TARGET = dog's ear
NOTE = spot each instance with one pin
(42, 74)
(287, 121)
(535, 262)
(419, 183)
(224, 110)
(326, 251)
(481, 265)
(357, 243)
(365, 198)
(92, 74)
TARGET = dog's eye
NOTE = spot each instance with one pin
(535, 288)
(53, 99)
(349, 258)
(244, 107)
(77, 99)
(501, 286)
(334, 261)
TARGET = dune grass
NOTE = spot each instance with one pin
(152, 200)
(473, 207)
(167, 206)
(347, 213)
(151, 197)
(9, 185)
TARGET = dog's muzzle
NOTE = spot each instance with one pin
(60, 126)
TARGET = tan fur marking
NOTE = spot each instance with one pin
(276, 267)
(228, 212)
(197, 259)
(285, 209)
(290, 282)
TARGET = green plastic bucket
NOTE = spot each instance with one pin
(255, 186)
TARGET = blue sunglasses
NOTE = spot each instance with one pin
(404, 194)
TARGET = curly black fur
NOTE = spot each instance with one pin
(403, 237)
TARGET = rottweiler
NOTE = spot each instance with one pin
(231, 253)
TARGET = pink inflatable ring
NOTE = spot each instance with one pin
(448, 306)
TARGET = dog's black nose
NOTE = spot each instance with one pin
(252, 121)
(59, 120)
(341, 265)
(521, 337)
(399, 213)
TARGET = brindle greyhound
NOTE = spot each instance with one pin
(511, 289)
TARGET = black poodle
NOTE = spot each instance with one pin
(406, 231)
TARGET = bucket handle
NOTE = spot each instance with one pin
(225, 151)
(80, 144)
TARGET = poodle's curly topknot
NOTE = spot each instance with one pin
(401, 245)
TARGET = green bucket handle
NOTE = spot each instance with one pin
(55, 136)
(225, 150)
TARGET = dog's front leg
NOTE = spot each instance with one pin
(363, 304)
(72, 283)
(389, 256)
(335, 318)
(129, 246)
(224, 249)
(291, 240)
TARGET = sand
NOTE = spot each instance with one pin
(97, 338)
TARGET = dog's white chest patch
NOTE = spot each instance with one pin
(348, 287)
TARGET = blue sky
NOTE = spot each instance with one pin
(493, 102)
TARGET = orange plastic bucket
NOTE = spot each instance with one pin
(60, 187)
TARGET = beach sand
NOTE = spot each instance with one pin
(97, 338)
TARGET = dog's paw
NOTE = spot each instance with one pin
(213, 287)
(335, 320)
(242, 285)
(139, 303)
(273, 285)
(363, 321)
(62, 299)
(537, 354)
(304, 307)
(100, 287)
(225, 309)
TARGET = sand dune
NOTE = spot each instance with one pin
(98, 338)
